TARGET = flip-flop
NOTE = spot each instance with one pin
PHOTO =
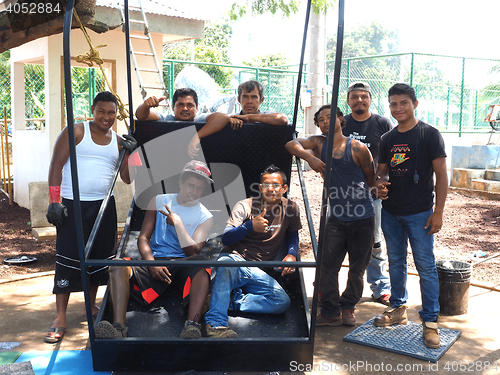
(52, 339)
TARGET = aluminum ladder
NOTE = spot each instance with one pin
(152, 54)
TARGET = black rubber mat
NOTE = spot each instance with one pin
(404, 339)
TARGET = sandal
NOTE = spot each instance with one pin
(54, 335)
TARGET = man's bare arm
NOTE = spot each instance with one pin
(144, 113)
(190, 245)
(363, 158)
(435, 221)
(215, 123)
(264, 118)
(299, 147)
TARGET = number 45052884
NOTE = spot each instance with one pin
(33, 8)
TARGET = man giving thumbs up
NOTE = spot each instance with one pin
(255, 231)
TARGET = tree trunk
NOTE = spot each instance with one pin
(315, 69)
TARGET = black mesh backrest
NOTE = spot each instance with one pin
(252, 148)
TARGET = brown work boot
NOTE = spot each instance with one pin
(431, 335)
(191, 330)
(106, 330)
(223, 332)
(333, 321)
(348, 318)
(391, 315)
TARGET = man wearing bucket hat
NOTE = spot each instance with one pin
(175, 226)
(410, 155)
(367, 128)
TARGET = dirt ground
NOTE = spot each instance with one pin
(471, 226)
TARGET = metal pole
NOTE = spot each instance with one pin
(411, 69)
(328, 166)
(448, 109)
(91, 94)
(301, 66)
(171, 81)
(310, 222)
(68, 18)
(475, 111)
(128, 55)
(462, 98)
(97, 223)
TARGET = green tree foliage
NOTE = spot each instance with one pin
(212, 48)
(270, 60)
(256, 7)
(365, 40)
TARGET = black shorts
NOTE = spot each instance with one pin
(145, 289)
(68, 276)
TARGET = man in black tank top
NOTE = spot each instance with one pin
(368, 127)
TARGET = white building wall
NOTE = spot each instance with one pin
(32, 149)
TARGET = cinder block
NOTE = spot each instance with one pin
(39, 201)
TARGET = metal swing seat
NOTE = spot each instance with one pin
(265, 342)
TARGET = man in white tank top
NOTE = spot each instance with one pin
(97, 152)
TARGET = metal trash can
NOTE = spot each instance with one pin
(454, 282)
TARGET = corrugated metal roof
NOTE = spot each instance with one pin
(165, 7)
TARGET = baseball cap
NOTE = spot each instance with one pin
(198, 167)
(358, 86)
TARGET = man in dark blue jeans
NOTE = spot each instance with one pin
(255, 232)
(349, 229)
(410, 155)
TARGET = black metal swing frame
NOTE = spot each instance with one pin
(175, 354)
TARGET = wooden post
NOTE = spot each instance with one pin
(8, 158)
(3, 174)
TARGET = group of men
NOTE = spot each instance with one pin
(405, 158)
(381, 181)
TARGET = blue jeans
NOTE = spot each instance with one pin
(376, 273)
(254, 291)
(397, 231)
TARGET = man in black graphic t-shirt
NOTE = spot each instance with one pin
(410, 155)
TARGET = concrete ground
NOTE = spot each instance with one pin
(27, 310)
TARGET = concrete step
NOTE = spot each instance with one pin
(462, 177)
(485, 185)
(492, 174)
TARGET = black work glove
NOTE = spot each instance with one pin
(56, 214)
(129, 143)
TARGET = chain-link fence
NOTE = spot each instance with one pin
(34, 96)
(86, 83)
(454, 93)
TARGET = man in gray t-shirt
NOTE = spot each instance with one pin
(185, 104)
